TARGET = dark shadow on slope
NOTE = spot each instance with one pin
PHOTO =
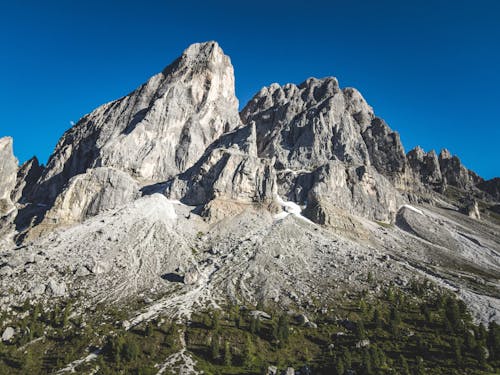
(173, 277)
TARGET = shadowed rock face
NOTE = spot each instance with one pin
(492, 187)
(27, 176)
(158, 130)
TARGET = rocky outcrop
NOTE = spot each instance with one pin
(91, 193)
(360, 191)
(229, 171)
(425, 166)
(492, 187)
(156, 131)
(27, 176)
(454, 173)
(8, 173)
(308, 125)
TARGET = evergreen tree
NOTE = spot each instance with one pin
(228, 358)
(419, 367)
(366, 363)
(249, 352)
(457, 352)
(493, 340)
(215, 347)
(283, 328)
(405, 369)
(339, 367)
(347, 358)
(377, 320)
(452, 314)
(215, 321)
(360, 330)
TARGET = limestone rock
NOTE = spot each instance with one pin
(425, 166)
(454, 173)
(56, 289)
(158, 130)
(308, 125)
(191, 276)
(471, 208)
(230, 171)
(91, 193)
(27, 176)
(492, 187)
(358, 191)
(8, 173)
(8, 334)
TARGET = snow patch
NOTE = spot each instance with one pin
(413, 209)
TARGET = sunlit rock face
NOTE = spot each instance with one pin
(158, 130)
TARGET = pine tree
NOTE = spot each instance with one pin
(366, 363)
(493, 340)
(405, 369)
(377, 318)
(339, 367)
(419, 367)
(215, 347)
(228, 358)
(347, 358)
(249, 352)
(283, 328)
(360, 330)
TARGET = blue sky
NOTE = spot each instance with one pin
(431, 69)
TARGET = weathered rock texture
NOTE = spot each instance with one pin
(492, 187)
(229, 171)
(158, 130)
(8, 173)
(330, 148)
(27, 176)
(308, 125)
(91, 193)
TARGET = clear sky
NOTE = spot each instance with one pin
(430, 68)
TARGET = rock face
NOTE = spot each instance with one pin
(426, 166)
(308, 125)
(91, 193)
(492, 187)
(158, 130)
(330, 148)
(454, 173)
(229, 171)
(27, 176)
(8, 173)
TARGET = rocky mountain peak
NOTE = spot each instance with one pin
(158, 130)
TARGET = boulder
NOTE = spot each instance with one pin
(8, 334)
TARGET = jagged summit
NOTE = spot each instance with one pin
(169, 201)
(158, 130)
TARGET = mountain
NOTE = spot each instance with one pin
(168, 204)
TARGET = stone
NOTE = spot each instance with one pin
(471, 208)
(229, 171)
(56, 289)
(492, 187)
(91, 193)
(8, 334)
(308, 125)
(454, 172)
(363, 343)
(158, 130)
(27, 176)
(191, 276)
(257, 314)
(272, 370)
(8, 175)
